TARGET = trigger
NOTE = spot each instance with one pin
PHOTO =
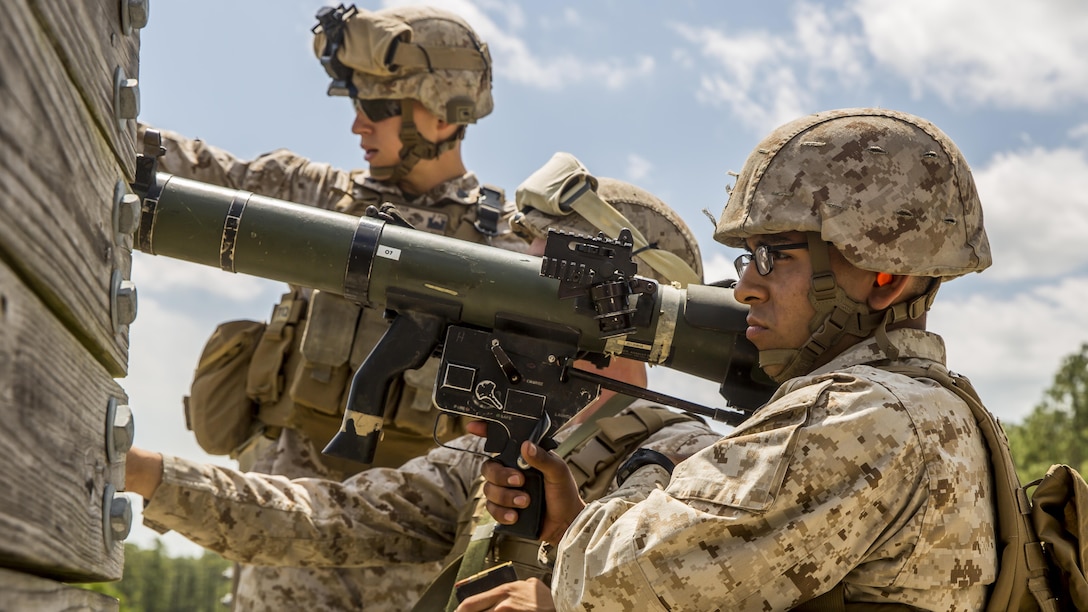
(543, 426)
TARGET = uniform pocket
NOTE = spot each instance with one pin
(745, 470)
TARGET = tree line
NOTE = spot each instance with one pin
(156, 582)
(1056, 430)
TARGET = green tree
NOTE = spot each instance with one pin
(1056, 431)
(156, 582)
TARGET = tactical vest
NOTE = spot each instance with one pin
(594, 452)
(302, 367)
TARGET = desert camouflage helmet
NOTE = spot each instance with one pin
(666, 249)
(412, 52)
(891, 191)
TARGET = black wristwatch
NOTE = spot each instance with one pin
(641, 458)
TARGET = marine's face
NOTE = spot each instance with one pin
(779, 308)
(780, 312)
(379, 140)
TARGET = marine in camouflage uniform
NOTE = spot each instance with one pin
(854, 484)
(439, 73)
(426, 510)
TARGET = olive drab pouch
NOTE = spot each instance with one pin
(324, 373)
(219, 411)
(265, 380)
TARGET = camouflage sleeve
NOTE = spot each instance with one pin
(775, 513)
(379, 516)
(682, 439)
(280, 174)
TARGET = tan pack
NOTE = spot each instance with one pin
(219, 410)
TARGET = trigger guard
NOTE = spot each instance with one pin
(497, 437)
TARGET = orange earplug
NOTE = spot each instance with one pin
(883, 278)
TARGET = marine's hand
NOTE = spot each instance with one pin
(143, 471)
(518, 596)
(477, 428)
(504, 498)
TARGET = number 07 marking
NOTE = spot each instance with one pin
(388, 252)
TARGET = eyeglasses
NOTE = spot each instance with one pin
(377, 110)
(764, 256)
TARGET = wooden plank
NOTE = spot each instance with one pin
(54, 399)
(25, 592)
(91, 43)
(57, 178)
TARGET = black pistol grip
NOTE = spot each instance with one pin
(410, 339)
(531, 519)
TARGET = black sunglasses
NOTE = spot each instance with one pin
(377, 110)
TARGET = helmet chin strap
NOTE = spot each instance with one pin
(413, 147)
(838, 315)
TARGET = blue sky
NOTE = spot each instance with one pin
(671, 96)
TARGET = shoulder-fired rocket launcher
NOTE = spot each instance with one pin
(507, 325)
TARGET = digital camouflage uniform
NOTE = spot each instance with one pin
(850, 473)
(852, 481)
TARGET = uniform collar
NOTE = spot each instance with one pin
(464, 189)
(912, 344)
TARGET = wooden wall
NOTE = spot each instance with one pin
(68, 102)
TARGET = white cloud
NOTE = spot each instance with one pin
(163, 275)
(1012, 346)
(1035, 202)
(638, 167)
(766, 79)
(1005, 53)
(1079, 132)
(572, 17)
(514, 60)
(719, 266)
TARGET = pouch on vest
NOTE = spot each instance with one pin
(264, 380)
(323, 375)
(416, 411)
(219, 410)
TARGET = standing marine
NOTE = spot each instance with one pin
(272, 394)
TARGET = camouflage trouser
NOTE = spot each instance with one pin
(394, 587)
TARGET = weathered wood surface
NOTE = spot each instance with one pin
(58, 172)
(54, 400)
(20, 592)
(92, 44)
